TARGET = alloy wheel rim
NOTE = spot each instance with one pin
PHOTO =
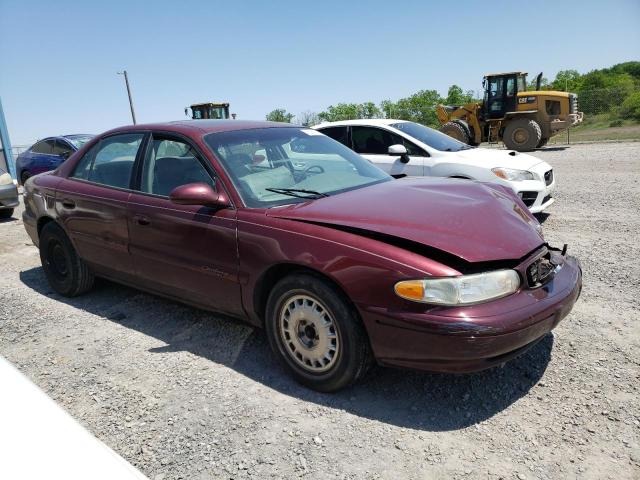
(309, 333)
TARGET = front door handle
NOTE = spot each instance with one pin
(70, 204)
(142, 220)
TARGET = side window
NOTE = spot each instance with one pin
(413, 149)
(62, 149)
(44, 146)
(370, 140)
(170, 163)
(110, 161)
(339, 134)
(511, 86)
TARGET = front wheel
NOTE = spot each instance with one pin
(316, 333)
(6, 213)
(457, 131)
(522, 135)
(66, 272)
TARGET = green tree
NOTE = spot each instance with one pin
(544, 84)
(279, 115)
(350, 111)
(631, 106)
(455, 96)
(419, 108)
(569, 80)
(341, 111)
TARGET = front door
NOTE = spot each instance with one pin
(185, 251)
(500, 96)
(373, 144)
(92, 203)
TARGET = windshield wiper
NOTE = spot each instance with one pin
(294, 192)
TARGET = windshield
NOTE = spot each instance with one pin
(277, 166)
(78, 140)
(431, 137)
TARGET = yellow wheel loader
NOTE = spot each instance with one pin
(523, 120)
(216, 111)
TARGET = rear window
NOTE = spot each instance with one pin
(431, 137)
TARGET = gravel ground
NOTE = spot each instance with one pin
(181, 393)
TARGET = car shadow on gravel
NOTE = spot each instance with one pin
(431, 402)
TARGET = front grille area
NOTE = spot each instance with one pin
(548, 177)
(573, 103)
(540, 271)
(529, 198)
(546, 199)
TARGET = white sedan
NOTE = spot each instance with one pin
(403, 148)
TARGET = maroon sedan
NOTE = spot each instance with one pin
(291, 231)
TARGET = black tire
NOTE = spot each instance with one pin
(6, 213)
(24, 176)
(522, 135)
(542, 143)
(457, 131)
(66, 272)
(352, 357)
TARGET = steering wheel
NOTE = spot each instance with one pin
(314, 169)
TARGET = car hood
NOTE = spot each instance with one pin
(474, 221)
(491, 158)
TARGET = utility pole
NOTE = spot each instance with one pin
(126, 80)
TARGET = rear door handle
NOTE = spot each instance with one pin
(142, 220)
(70, 204)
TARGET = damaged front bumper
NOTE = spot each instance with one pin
(474, 337)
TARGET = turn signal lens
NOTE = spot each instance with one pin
(411, 290)
(462, 290)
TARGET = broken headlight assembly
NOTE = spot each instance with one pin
(462, 290)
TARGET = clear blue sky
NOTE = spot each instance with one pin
(60, 58)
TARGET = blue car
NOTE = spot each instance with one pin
(47, 154)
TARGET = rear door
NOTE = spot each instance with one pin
(185, 251)
(42, 158)
(92, 203)
(373, 144)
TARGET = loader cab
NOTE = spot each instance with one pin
(215, 111)
(501, 92)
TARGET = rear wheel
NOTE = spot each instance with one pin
(6, 213)
(457, 131)
(522, 134)
(316, 333)
(66, 272)
(542, 143)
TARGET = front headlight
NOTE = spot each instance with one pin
(513, 175)
(461, 290)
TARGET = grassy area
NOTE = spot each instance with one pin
(602, 127)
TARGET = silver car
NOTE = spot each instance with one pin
(8, 195)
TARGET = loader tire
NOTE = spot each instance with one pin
(457, 131)
(522, 135)
(542, 143)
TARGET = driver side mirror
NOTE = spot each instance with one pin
(198, 194)
(401, 150)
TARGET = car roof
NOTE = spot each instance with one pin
(200, 127)
(361, 121)
(76, 135)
